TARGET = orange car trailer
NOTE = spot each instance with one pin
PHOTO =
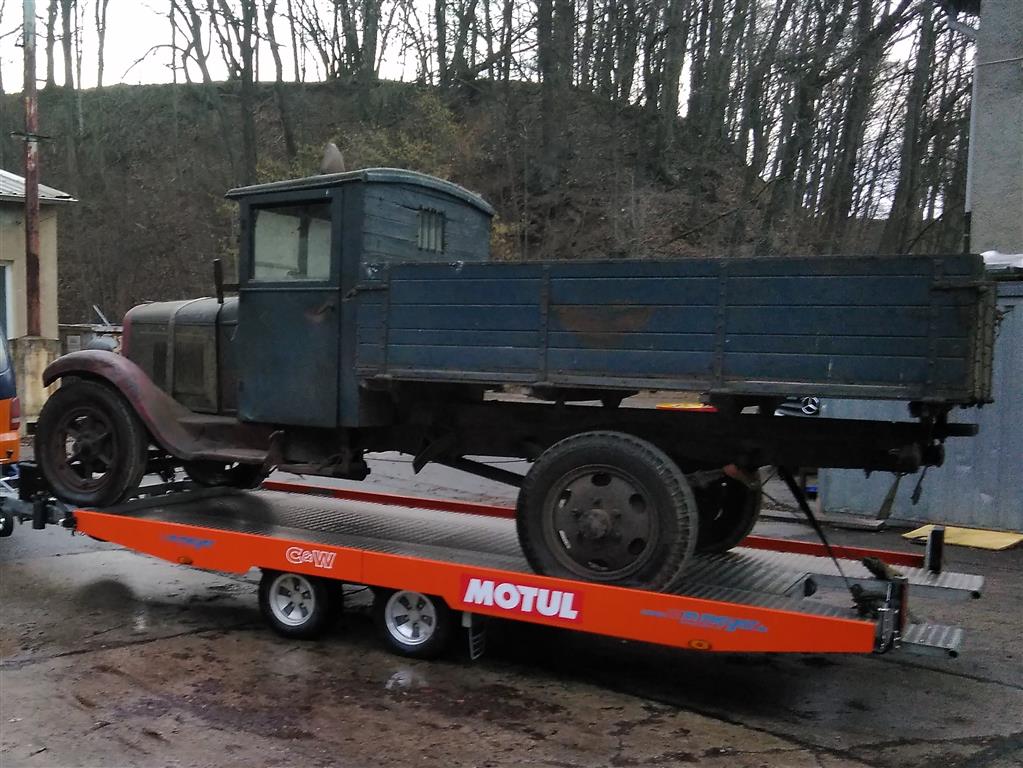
(438, 566)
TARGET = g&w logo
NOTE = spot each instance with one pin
(521, 598)
(316, 557)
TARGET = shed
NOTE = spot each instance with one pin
(980, 484)
(13, 312)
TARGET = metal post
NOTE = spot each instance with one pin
(34, 326)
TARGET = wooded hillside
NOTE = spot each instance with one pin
(596, 128)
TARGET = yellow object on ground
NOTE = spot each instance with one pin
(970, 537)
(687, 407)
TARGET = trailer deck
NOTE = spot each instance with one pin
(769, 595)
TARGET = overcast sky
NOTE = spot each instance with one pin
(133, 28)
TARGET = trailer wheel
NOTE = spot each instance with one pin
(411, 623)
(728, 511)
(295, 605)
(607, 507)
(90, 445)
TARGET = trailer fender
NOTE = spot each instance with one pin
(177, 429)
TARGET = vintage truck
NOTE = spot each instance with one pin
(369, 317)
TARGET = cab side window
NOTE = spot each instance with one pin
(292, 242)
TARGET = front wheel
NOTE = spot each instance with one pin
(90, 445)
(295, 605)
(607, 507)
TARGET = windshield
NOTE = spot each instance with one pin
(292, 242)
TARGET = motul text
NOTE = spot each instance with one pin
(521, 598)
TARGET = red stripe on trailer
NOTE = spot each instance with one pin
(392, 499)
(631, 614)
(908, 559)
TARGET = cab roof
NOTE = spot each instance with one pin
(370, 175)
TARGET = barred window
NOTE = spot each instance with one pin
(431, 230)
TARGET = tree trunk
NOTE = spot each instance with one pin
(441, 26)
(676, 32)
(370, 33)
(586, 53)
(248, 100)
(506, 41)
(905, 201)
(269, 8)
(66, 42)
(51, 40)
(292, 29)
(101, 36)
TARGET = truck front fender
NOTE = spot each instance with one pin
(181, 432)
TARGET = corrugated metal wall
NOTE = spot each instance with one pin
(981, 482)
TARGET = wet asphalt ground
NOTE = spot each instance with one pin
(109, 658)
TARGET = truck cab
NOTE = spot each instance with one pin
(284, 350)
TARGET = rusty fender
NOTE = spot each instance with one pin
(180, 431)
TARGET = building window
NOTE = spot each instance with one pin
(431, 231)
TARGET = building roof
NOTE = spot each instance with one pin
(12, 190)
(372, 175)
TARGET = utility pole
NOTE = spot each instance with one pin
(34, 324)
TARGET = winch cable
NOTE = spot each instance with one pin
(800, 497)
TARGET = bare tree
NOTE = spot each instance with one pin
(67, 8)
(101, 37)
(51, 39)
(269, 8)
(906, 198)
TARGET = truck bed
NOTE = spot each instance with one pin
(918, 328)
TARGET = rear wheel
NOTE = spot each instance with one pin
(411, 623)
(728, 511)
(607, 507)
(90, 445)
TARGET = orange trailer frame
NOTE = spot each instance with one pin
(712, 618)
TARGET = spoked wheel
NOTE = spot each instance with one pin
(728, 511)
(216, 474)
(295, 605)
(90, 445)
(608, 507)
(411, 623)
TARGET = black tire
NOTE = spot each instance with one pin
(6, 523)
(615, 538)
(295, 605)
(413, 624)
(87, 429)
(218, 474)
(728, 511)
